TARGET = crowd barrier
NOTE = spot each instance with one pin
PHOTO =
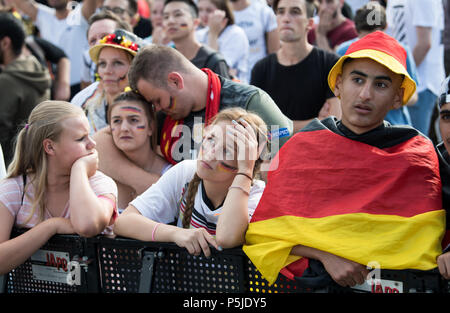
(73, 264)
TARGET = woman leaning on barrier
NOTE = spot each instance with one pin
(53, 186)
(210, 199)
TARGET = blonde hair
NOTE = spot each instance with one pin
(227, 115)
(29, 155)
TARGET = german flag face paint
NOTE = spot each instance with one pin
(129, 126)
(172, 104)
(215, 155)
(131, 109)
(223, 167)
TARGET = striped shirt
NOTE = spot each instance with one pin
(165, 201)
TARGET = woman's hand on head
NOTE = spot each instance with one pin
(88, 163)
(217, 21)
(246, 146)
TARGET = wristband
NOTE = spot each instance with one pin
(248, 176)
(239, 187)
(154, 230)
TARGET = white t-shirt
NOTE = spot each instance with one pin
(164, 201)
(403, 16)
(233, 45)
(256, 20)
(68, 34)
(356, 4)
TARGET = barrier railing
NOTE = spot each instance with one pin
(72, 264)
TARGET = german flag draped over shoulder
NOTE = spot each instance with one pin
(358, 201)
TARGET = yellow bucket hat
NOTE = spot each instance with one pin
(383, 49)
(120, 39)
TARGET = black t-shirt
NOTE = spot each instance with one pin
(209, 58)
(299, 90)
(143, 28)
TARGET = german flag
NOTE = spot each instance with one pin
(356, 200)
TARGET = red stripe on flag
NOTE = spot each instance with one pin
(321, 173)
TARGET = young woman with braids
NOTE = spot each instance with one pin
(53, 186)
(210, 199)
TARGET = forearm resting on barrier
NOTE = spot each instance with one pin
(342, 271)
(14, 252)
(89, 214)
(132, 224)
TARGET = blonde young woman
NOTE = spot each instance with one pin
(210, 199)
(53, 186)
(133, 129)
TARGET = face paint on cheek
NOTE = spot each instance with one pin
(222, 167)
(172, 104)
(140, 127)
(183, 26)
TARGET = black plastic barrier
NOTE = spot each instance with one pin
(72, 264)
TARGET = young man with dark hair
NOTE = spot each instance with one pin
(24, 82)
(351, 192)
(127, 10)
(369, 18)
(443, 149)
(333, 27)
(296, 75)
(180, 19)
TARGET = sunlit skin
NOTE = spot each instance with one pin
(113, 65)
(367, 90)
(292, 20)
(100, 29)
(177, 20)
(130, 126)
(217, 156)
(73, 143)
(205, 8)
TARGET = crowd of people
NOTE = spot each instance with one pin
(297, 129)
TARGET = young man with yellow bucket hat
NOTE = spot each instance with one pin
(356, 191)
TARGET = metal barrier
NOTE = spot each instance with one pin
(72, 264)
(133, 266)
(65, 264)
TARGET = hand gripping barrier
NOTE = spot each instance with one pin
(73, 264)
